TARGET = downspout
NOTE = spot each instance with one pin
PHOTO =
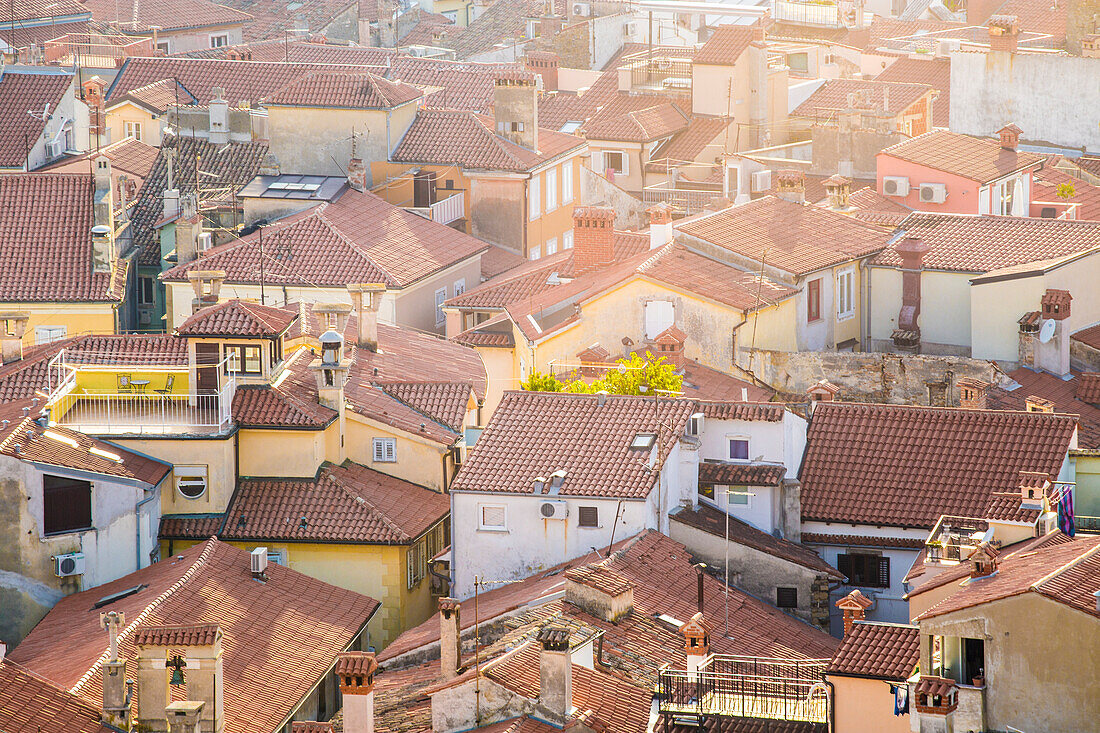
(137, 521)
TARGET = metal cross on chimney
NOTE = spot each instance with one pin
(112, 621)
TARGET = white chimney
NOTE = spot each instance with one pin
(171, 203)
(450, 645)
(355, 672)
(660, 225)
(184, 716)
(219, 117)
(555, 673)
(365, 299)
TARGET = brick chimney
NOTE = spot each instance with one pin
(13, 326)
(365, 300)
(219, 117)
(790, 185)
(184, 716)
(357, 171)
(207, 286)
(555, 673)
(1004, 33)
(1034, 403)
(854, 606)
(983, 560)
(822, 391)
(911, 251)
(355, 672)
(593, 237)
(599, 591)
(1010, 136)
(660, 225)
(696, 641)
(545, 64)
(516, 108)
(670, 345)
(839, 189)
(972, 394)
(116, 701)
(188, 227)
(450, 642)
(1055, 304)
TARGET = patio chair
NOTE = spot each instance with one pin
(167, 385)
(124, 386)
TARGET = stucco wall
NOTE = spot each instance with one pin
(596, 189)
(945, 318)
(418, 461)
(962, 193)
(217, 454)
(498, 211)
(199, 40)
(1052, 98)
(414, 306)
(861, 705)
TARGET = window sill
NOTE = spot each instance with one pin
(63, 532)
(845, 317)
(495, 530)
(589, 526)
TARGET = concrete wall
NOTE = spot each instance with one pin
(833, 147)
(596, 189)
(864, 705)
(945, 319)
(1052, 98)
(498, 211)
(199, 39)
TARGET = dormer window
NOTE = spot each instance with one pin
(643, 441)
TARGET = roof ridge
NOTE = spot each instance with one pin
(1036, 586)
(497, 140)
(202, 559)
(352, 245)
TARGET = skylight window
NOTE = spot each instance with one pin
(570, 127)
(643, 441)
(61, 438)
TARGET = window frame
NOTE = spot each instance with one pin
(551, 246)
(567, 239)
(551, 189)
(440, 299)
(567, 182)
(862, 572)
(738, 491)
(383, 450)
(813, 300)
(132, 128)
(459, 286)
(66, 487)
(729, 445)
(534, 197)
(239, 353)
(146, 298)
(534, 252)
(846, 296)
(482, 527)
(215, 37)
(195, 471)
(624, 167)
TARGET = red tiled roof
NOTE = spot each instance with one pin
(879, 651)
(468, 139)
(1045, 183)
(292, 403)
(832, 96)
(1038, 17)
(534, 434)
(46, 226)
(305, 51)
(1064, 393)
(238, 318)
(347, 503)
(1088, 387)
(445, 401)
(189, 526)
(741, 474)
(852, 540)
(357, 238)
(713, 521)
(876, 208)
(157, 96)
(901, 465)
(1005, 241)
(704, 141)
(725, 45)
(342, 90)
(519, 725)
(210, 583)
(456, 85)
(934, 71)
(500, 22)
(625, 118)
(975, 158)
(686, 270)
(21, 94)
(167, 15)
(1088, 336)
(599, 577)
(36, 9)
(1005, 506)
(272, 18)
(33, 704)
(24, 36)
(178, 635)
(789, 236)
(703, 383)
(735, 410)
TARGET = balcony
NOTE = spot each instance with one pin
(444, 211)
(96, 50)
(663, 71)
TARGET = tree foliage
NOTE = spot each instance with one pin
(1066, 191)
(635, 376)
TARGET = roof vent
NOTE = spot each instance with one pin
(540, 484)
(557, 478)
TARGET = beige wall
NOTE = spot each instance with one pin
(117, 117)
(501, 368)
(559, 220)
(637, 154)
(945, 306)
(300, 452)
(862, 705)
(199, 40)
(415, 305)
(418, 461)
(217, 454)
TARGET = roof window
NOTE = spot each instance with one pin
(643, 441)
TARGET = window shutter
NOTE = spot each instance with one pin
(588, 516)
(884, 572)
(378, 450)
(844, 565)
(786, 597)
(391, 450)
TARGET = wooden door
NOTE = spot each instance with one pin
(206, 368)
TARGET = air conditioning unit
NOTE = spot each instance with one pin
(695, 424)
(55, 149)
(65, 566)
(761, 181)
(933, 193)
(206, 241)
(553, 509)
(895, 185)
(582, 9)
(259, 561)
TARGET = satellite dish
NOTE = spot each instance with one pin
(1046, 332)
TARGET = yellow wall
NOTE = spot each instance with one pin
(117, 117)
(861, 705)
(77, 318)
(216, 454)
(502, 371)
(941, 293)
(418, 461)
(636, 154)
(399, 191)
(105, 379)
(560, 220)
(300, 452)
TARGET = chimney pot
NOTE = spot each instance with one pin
(854, 606)
(1004, 33)
(660, 225)
(366, 299)
(983, 560)
(791, 185)
(355, 672)
(1035, 403)
(555, 672)
(972, 393)
(184, 716)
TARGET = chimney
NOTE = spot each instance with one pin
(822, 391)
(983, 560)
(171, 203)
(1055, 304)
(757, 56)
(333, 316)
(593, 237)
(219, 117)
(355, 672)
(660, 225)
(696, 641)
(116, 701)
(555, 673)
(269, 166)
(1010, 137)
(545, 64)
(516, 108)
(854, 606)
(13, 326)
(839, 189)
(700, 596)
(670, 345)
(907, 335)
(1004, 33)
(187, 657)
(187, 229)
(1035, 403)
(207, 286)
(184, 716)
(599, 591)
(357, 172)
(1033, 487)
(366, 299)
(450, 643)
(387, 24)
(972, 394)
(1053, 347)
(790, 185)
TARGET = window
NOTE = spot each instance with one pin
(869, 571)
(798, 62)
(845, 294)
(132, 129)
(737, 495)
(276, 557)
(243, 358)
(191, 481)
(706, 491)
(588, 516)
(162, 46)
(615, 162)
(385, 450)
(492, 516)
(535, 252)
(659, 315)
(567, 182)
(739, 449)
(551, 189)
(219, 41)
(420, 555)
(643, 441)
(66, 504)
(567, 239)
(460, 286)
(535, 195)
(440, 296)
(813, 300)
(47, 334)
(551, 245)
(786, 597)
(145, 291)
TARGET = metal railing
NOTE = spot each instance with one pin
(688, 200)
(96, 49)
(749, 687)
(449, 209)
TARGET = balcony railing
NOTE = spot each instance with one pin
(96, 50)
(449, 209)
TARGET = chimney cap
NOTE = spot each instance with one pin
(554, 638)
(355, 664)
(854, 601)
(597, 213)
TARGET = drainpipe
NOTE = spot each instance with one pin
(137, 521)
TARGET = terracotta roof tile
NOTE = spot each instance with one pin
(734, 410)
(445, 401)
(1045, 183)
(210, 583)
(725, 45)
(935, 72)
(271, 18)
(879, 651)
(36, 9)
(733, 724)
(741, 474)
(832, 97)
(1037, 17)
(310, 726)
(1066, 394)
(1088, 336)
(358, 238)
(502, 21)
(704, 383)
(1005, 506)
(1006, 241)
(456, 85)
(689, 271)
(190, 526)
(534, 434)
(346, 503)
(355, 663)
(342, 90)
(714, 522)
(157, 96)
(877, 209)
(852, 540)
(166, 15)
(34, 704)
(634, 122)
(975, 158)
(791, 237)
(961, 571)
(1088, 387)
(601, 578)
(238, 318)
(900, 465)
(22, 92)
(704, 141)
(178, 635)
